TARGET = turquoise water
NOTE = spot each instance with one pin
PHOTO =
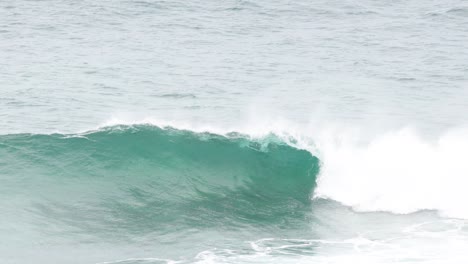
(127, 183)
(233, 132)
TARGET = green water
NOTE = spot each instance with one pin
(144, 184)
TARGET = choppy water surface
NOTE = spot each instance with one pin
(233, 131)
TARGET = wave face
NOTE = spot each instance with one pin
(145, 178)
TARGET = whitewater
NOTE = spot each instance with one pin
(301, 131)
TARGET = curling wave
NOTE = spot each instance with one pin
(143, 175)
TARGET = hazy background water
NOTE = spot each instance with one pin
(68, 66)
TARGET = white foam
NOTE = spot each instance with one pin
(397, 172)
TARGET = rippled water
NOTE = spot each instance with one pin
(71, 65)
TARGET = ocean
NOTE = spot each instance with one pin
(146, 131)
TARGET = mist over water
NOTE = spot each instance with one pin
(233, 132)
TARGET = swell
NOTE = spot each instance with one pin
(144, 178)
